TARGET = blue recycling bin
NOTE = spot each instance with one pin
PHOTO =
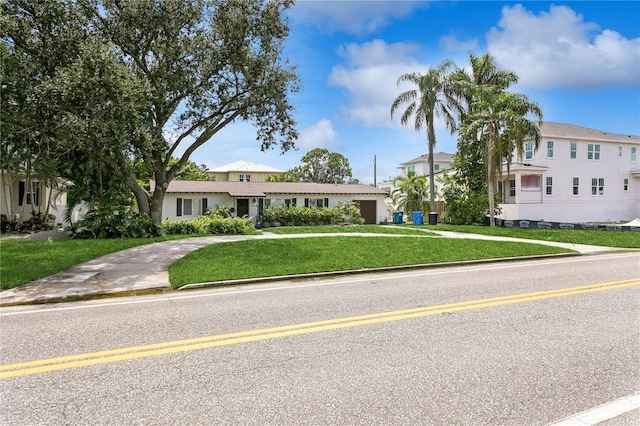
(417, 218)
(397, 217)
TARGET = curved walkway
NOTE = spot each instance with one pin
(145, 268)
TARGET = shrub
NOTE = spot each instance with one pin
(4, 223)
(313, 216)
(210, 223)
(350, 213)
(115, 222)
(181, 227)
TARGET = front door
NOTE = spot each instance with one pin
(368, 211)
(243, 207)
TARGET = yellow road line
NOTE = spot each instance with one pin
(136, 352)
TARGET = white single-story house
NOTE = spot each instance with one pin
(20, 197)
(578, 175)
(189, 199)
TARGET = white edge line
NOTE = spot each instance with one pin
(322, 284)
(602, 412)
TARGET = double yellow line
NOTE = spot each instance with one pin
(136, 352)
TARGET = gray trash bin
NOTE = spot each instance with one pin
(433, 218)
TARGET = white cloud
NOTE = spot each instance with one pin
(355, 17)
(320, 135)
(369, 77)
(452, 43)
(558, 49)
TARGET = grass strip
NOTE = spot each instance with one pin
(334, 229)
(625, 239)
(24, 261)
(264, 258)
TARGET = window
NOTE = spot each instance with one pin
(574, 150)
(597, 186)
(593, 151)
(436, 167)
(549, 185)
(411, 169)
(512, 187)
(625, 185)
(530, 182)
(576, 186)
(244, 177)
(316, 202)
(190, 206)
(620, 154)
(28, 194)
(549, 149)
(214, 177)
(634, 154)
(528, 151)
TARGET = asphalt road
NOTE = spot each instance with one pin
(497, 344)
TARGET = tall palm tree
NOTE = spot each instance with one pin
(500, 119)
(467, 86)
(429, 99)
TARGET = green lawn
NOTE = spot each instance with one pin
(373, 229)
(262, 258)
(626, 239)
(24, 261)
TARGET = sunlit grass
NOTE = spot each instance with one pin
(24, 261)
(264, 258)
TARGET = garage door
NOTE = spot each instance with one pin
(368, 211)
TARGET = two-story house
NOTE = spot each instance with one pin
(578, 175)
(243, 171)
(420, 165)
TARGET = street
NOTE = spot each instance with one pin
(518, 343)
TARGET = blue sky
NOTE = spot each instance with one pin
(580, 60)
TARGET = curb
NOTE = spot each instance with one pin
(329, 274)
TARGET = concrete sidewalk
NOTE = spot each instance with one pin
(144, 269)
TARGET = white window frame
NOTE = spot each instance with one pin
(573, 150)
(634, 154)
(549, 149)
(597, 187)
(512, 187)
(593, 151)
(189, 206)
(549, 185)
(575, 186)
(625, 185)
(244, 177)
(620, 151)
(528, 151)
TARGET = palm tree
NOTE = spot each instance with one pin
(430, 99)
(500, 120)
(409, 193)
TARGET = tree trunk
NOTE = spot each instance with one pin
(490, 189)
(431, 136)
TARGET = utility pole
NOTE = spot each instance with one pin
(375, 182)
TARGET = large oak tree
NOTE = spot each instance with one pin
(145, 81)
